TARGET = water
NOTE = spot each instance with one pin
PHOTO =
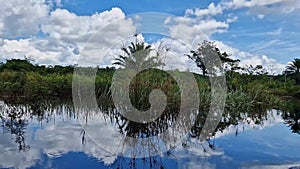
(51, 136)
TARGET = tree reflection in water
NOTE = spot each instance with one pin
(292, 118)
(14, 122)
(15, 117)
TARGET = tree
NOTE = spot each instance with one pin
(205, 58)
(197, 58)
(229, 64)
(257, 70)
(22, 65)
(138, 57)
(293, 69)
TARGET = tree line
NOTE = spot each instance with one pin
(21, 79)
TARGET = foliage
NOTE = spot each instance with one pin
(293, 67)
(20, 79)
(207, 58)
(138, 56)
(293, 70)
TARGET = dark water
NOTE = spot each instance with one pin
(51, 136)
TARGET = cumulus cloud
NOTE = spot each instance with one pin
(89, 36)
(28, 47)
(67, 27)
(211, 10)
(172, 53)
(52, 140)
(200, 24)
(193, 30)
(22, 17)
(270, 64)
(11, 157)
(67, 36)
(176, 57)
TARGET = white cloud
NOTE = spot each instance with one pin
(90, 36)
(175, 57)
(199, 24)
(194, 30)
(263, 7)
(258, 7)
(21, 17)
(260, 16)
(28, 47)
(271, 65)
(57, 3)
(10, 157)
(67, 27)
(52, 140)
(246, 123)
(231, 18)
(249, 3)
(68, 35)
(57, 140)
(211, 10)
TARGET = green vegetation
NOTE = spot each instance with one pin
(293, 70)
(247, 87)
(250, 91)
(137, 57)
(39, 92)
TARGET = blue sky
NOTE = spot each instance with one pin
(248, 33)
(256, 31)
(176, 7)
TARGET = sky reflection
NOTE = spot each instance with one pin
(59, 142)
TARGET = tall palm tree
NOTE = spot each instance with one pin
(293, 67)
(138, 57)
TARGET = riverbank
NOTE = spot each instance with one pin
(23, 81)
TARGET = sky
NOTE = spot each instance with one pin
(258, 32)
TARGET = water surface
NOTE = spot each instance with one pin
(50, 136)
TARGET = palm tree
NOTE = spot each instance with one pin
(138, 57)
(293, 69)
